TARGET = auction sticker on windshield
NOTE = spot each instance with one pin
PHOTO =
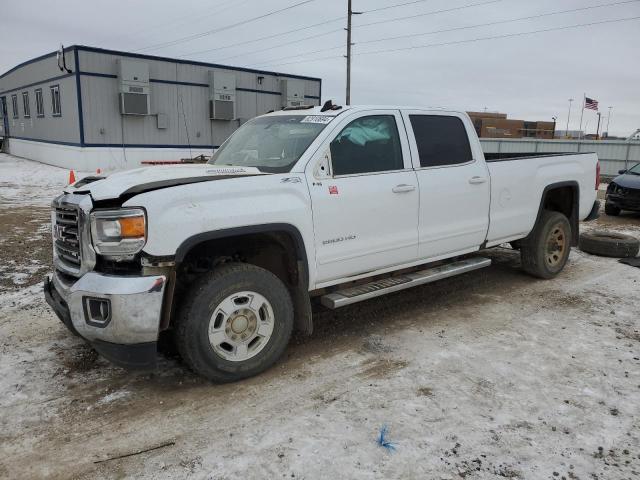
(316, 119)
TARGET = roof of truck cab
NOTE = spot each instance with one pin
(355, 108)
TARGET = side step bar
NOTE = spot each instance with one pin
(351, 295)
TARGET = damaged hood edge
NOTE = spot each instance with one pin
(133, 182)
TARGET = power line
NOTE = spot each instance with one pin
(449, 29)
(433, 12)
(395, 6)
(285, 44)
(508, 35)
(364, 25)
(227, 27)
(499, 22)
(262, 38)
(479, 39)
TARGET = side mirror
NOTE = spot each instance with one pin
(622, 172)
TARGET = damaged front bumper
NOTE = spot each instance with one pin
(118, 315)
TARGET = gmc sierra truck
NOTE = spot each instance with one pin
(329, 205)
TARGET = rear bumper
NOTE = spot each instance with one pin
(126, 332)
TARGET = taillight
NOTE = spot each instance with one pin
(598, 175)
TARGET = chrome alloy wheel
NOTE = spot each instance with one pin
(241, 326)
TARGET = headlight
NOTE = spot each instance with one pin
(119, 234)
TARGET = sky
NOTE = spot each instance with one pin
(442, 58)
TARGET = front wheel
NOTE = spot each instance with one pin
(545, 251)
(235, 322)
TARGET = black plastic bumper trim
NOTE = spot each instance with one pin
(595, 212)
(137, 356)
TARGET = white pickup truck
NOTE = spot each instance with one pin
(333, 205)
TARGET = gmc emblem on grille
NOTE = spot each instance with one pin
(58, 232)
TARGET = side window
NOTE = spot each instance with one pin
(25, 105)
(441, 140)
(39, 103)
(14, 105)
(368, 144)
(56, 110)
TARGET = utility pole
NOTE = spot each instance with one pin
(350, 13)
(566, 132)
(608, 120)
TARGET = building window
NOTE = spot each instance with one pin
(39, 103)
(25, 105)
(56, 110)
(14, 105)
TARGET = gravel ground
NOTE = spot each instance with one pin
(484, 376)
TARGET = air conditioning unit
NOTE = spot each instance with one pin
(292, 91)
(133, 87)
(222, 95)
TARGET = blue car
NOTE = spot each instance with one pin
(623, 192)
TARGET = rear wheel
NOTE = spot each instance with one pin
(611, 210)
(545, 251)
(235, 323)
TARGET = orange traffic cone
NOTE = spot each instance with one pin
(72, 177)
(98, 171)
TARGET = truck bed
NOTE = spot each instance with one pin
(505, 156)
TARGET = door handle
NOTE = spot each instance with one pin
(403, 187)
(477, 180)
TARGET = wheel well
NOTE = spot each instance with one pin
(274, 251)
(278, 250)
(564, 199)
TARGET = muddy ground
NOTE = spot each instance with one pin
(488, 375)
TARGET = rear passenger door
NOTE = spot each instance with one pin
(364, 196)
(454, 183)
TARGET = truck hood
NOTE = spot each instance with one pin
(132, 182)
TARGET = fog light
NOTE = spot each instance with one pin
(97, 311)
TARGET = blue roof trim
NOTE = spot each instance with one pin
(52, 79)
(142, 145)
(39, 140)
(79, 96)
(189, 62)
(177, 82)
(192, 84)
(115, 145)
(253, 90)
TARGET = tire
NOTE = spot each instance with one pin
(244, 296)
(609, 244)
(545, 251)
(611, 210)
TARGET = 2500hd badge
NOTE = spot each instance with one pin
(339, 239)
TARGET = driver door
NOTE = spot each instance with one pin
(364, 196)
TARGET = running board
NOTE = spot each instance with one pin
(351, 295)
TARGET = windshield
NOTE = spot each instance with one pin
(272, 144)
(635, 169)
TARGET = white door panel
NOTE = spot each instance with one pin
(363, 221)
(454, 198)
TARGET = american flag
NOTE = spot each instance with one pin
(590, 103)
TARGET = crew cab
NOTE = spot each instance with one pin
(329, 205)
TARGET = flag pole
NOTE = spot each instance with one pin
(584, 99)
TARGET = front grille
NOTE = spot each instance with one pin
(66, 236)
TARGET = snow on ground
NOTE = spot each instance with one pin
(24, 182)
(489, 375)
